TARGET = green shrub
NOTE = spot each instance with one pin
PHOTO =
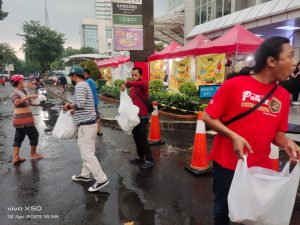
(188, 88)
(112, 92)
(203, 107)
(178, 100)
(156, 85)
(118, 83)
(93, 68)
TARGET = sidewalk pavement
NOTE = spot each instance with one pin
(5, 92)
(109, 111)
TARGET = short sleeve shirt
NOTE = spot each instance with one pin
(259, 128)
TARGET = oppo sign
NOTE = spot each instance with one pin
(128, 19)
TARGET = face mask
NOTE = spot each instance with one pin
(73, 82)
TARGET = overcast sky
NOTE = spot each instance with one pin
(64, 16)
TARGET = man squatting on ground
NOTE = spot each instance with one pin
(254, 133)
(85, 119)
(23, 119)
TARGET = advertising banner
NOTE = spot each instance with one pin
(126, 38)
(127, 9)
(210, 69)
(208, 91)
(128, 32)
(126, 20)
(107, 74)
(181, 72)
(157, 70)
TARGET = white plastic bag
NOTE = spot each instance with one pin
(65, 127)
(39, 99)
(259, 196)
(128, 118)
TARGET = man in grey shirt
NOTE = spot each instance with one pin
(85, 119)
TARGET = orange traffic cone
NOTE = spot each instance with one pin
(274, 156)
(154, 133)
(199, 164)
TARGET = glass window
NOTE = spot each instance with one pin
(210, 10)
(219, 8)
(197, 16)
(227, 7)
(203, 14)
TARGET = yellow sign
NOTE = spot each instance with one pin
(210, 69)
(106, 72)
(157, 70)
(181, 72)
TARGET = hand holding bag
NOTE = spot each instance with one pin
(260, 196)
(65, 127)
(128, 118)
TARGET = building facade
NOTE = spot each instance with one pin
(103, 13)
(265, 18)
(93, 35)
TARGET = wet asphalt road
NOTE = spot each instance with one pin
(42, 192)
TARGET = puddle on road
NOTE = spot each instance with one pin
(131, 208)
(169, 150)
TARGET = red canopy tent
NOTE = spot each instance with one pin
(190, 48)
(100, 63)
(236, 40)
(164, 54)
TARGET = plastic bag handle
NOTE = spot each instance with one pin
(245, 164)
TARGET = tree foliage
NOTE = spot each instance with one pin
(159, 45)
(93, 68)
(7, 53)
(42, 45)
(87, 50)
(8, 56)
(69, 51)
(2, 14)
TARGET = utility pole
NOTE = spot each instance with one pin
(46, 14)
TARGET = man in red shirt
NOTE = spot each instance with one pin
(255, 132)
(139, 94)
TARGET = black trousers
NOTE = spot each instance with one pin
(141, 140)
(32, 134)
(295, 93)
(222, 182)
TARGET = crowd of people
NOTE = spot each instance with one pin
(240, 129)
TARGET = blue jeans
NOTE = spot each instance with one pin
(221, 185)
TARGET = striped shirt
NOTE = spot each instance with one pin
(22, 114)
(84, 103)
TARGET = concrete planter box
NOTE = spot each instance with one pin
(109, 99)
(171, 115)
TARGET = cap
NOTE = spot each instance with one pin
(78, 70)
(17, 77)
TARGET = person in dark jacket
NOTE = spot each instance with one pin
(295, 84)
(139, 93)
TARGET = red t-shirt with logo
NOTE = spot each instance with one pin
(236, 96)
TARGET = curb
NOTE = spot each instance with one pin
(59, 96)
(164, 124)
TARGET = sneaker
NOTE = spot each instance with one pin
(296, 103)
(146, 165)
(97, 186)
(81, 178)
(137, 161)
